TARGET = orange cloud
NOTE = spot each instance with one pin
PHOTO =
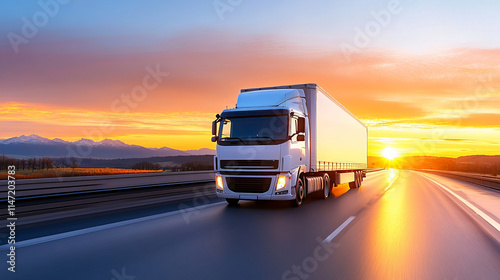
(64, 92)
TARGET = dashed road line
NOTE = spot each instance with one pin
(338, 230)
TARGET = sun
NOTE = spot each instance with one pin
(390, 153)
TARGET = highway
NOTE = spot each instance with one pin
(397, 225)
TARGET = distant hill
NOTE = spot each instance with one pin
(480, 159)
(36, 146)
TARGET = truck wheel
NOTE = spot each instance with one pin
(357, 181)
(232, 201)
(326, 186)
(299, 193)
(360, 178)
(354, 184)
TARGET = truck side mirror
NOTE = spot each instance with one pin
(214, 128)
(301, 137)
(215, 138)
(302, 125)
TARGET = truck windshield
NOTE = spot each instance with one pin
(254, 130)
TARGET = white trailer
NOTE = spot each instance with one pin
(285, 142)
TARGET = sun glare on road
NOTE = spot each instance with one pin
(390, 153)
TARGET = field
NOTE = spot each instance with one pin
(69, 172)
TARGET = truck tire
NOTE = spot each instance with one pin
(300, 191)
(355, 183)
(357, 180)
(232, 201)
(352, 185)
(327, 188)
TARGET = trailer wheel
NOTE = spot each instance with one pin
(326, 186)
(354, 184)
(357, 180)
(360, 178)
(299, 193)
(232, 201)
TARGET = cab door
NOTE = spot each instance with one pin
(297, 141)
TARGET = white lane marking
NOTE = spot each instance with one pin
(338, 230)
(74, 233)
(487, 218)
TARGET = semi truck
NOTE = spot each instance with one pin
(286, 143)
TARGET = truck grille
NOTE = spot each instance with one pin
(249, 164)
(248, 184)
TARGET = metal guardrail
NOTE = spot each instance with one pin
(104, 191)
(482, 180)
(334, 166)
(61, 185)
(49, 196)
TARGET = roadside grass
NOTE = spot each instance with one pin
(69, 172)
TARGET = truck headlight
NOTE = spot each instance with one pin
(281, 183)
(219, 183)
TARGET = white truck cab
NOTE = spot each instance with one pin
(265, 149)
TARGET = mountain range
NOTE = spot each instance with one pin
(37, 146)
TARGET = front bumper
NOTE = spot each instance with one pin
(286, 193)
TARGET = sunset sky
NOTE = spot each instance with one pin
(426, 79)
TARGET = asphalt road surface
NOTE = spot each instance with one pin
(398, 225)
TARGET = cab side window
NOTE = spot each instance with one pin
(294, 126)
